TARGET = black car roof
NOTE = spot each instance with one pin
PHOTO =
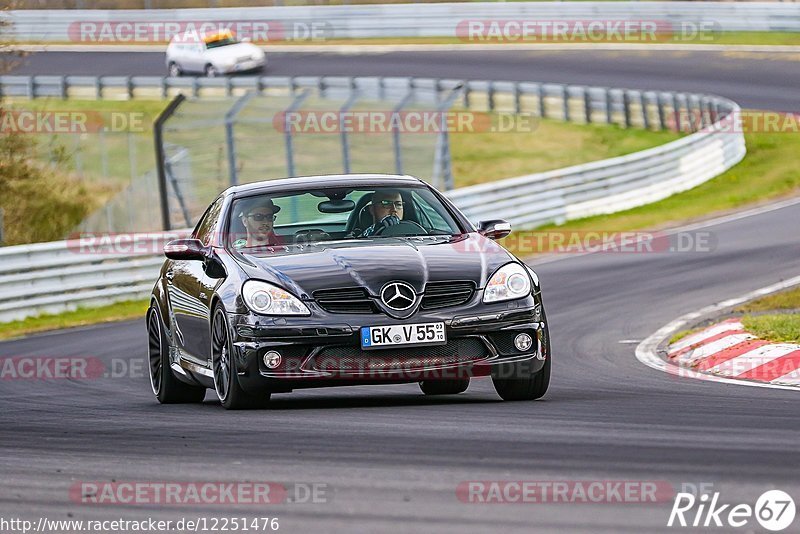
(326, 180)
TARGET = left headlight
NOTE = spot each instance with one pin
(509, 282)
(268, 299)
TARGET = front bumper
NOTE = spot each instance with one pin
(245, 66)
(324, 351)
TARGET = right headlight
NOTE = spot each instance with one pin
(262, 297)
(509, 282)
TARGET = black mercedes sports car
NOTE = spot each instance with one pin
(343, 280)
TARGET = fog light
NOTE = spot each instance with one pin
(523, 342)
(272, 359)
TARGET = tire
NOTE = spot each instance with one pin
(530, 388)
(211, 71)
(226, 382)
(444, 387)
(174, 70)
(166, 387)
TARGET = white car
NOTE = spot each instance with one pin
(213, 54)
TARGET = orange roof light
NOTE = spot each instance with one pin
(217, 36)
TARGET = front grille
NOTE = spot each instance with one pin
(444, 294)
(504, 341)
(345, 300)
(352, 358)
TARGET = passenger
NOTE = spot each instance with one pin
(258, 217)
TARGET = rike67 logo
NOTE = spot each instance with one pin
(774, 510)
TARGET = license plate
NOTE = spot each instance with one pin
(373, 337)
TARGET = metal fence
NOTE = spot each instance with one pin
(410, 20)
(53, 277)
(226, 133)
(298, 128)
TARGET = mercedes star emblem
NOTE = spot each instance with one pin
(398, 296)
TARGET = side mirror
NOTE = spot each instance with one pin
(494, 229)
(185, 249)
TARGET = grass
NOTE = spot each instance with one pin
(766, 173)
(481, 157)
(785, 300)
(129, 136)
(783, 328)
(683, 333)
(81, 317)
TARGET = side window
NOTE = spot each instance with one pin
(436, 221)
(204, 230)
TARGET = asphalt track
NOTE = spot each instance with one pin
(392, 458)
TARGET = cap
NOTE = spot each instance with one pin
(259, 202)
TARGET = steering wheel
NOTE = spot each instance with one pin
(308, 236)
(403, 228)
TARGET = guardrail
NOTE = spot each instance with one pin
(93, 271)
(573, 103)
(52, 277)
(400, 20)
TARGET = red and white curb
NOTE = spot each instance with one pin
(725, 352)
(726, 349)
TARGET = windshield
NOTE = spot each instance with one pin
(225, 41)
(337, 215)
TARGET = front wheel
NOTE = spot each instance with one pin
(211, 71)
(527, 385)
(528, 388)
(166, 387)
(226, 381)
(174, 69)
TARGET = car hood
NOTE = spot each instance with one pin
(231, 52)
(371, 263)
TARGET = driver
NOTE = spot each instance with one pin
(386, 209)
(258, 217)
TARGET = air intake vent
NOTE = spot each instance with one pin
(344, 300)
(352, 359)
(444, 294)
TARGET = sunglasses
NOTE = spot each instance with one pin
(259, 217)
(398, 204)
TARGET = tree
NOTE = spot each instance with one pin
(39, 201)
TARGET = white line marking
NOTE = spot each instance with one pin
(646, 351)
(688, 341)
(750, 360)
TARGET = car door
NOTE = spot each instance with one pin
(189, 291)
(195, 57)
